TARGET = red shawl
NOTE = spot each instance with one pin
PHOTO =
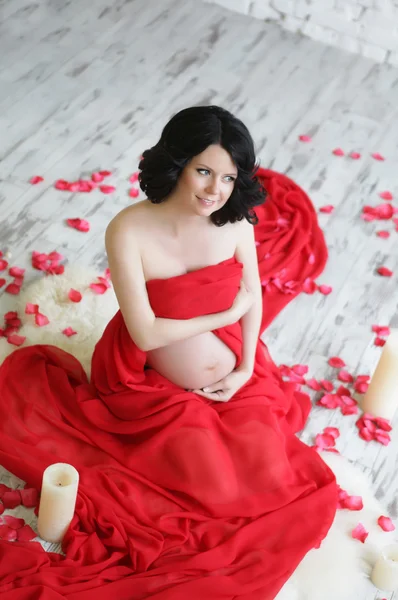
(179, 497)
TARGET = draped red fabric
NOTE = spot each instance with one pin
(179, 497)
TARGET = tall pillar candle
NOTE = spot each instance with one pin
(385, 572)
(57, 501)
(381, 398)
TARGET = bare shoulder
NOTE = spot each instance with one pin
(244, 232)
(131, 218)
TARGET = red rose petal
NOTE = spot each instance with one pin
(11, 499)
(107, 189)
(333, 431)
(338, 152)
(383, 234)
(29, 497)
(353, 503)
(325, 289)
(345, 376)
(377, 156)
(384, 271)
(329, 208)
(386, 195)
(25, 534)
(134, 193)
(79, 224)
(97, 177)
(74, 295)
(379, 341)
(98, 288)
(309, 286)
(8, 534)
(381, 329)
(360, 533)
(2, 282)
(13, 522)
(36, 179)
(300, 369)
(61, 184)
(337, 362)
(385, 523)
(382, 423)
(16, 272)
(69, 331)
(354, 155)
(313, 384)
(134, 177)
(330, 401)
(327, 385)
(366, 434)
(41, 320)
(382, 437)
(13, 288)
(2, 509)
(15, 339)
(324, 440)
(3, 264)
(105, 173)
(31, 309)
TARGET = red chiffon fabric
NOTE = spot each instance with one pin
(179, 497)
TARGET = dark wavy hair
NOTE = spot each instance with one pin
(186, 135)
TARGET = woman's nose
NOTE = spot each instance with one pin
(213, 186)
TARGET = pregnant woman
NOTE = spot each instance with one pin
(193, 483)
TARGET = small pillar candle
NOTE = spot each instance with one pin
(385, 572)
(381, 398)
(57, 501)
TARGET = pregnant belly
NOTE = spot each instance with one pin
(193, 363)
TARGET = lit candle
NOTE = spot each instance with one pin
(381, 398)
(385, 571)
(57, 501)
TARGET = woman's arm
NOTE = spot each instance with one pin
(146, 330)
(251, 321)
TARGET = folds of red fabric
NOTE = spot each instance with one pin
(179, 497)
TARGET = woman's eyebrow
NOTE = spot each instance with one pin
(202, 165)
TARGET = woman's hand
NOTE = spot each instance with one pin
(226, 388)
(242, 303)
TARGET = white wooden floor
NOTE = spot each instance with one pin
(88, 86)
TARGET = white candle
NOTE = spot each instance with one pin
(381, 398)
(57, 501)
(385, 571)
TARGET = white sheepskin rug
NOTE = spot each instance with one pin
(340, 568)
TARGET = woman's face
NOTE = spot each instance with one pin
(207, 181)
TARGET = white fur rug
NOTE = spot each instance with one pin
(339, 569)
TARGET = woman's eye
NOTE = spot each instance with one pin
(229, 178)
(203, 171)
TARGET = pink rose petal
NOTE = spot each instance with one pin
(384, 272)
(381, 329)
(360, 533)
(41, 320)
(313, 384)
(338, 152)
(379, 342)
(325, 289)
(385, 523)
(383, 234)
(74, 295)
(15, 339)
(333, 431)
(327, 385)
(309, 286)
(386, 195)
(329, 208)
(79, 224)
(354, 155)
(134, 193)
(377, 156)
(69, 332)
(345, 376)
(36, 179)
(305, 138)
(107, 189)
(336, 362)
